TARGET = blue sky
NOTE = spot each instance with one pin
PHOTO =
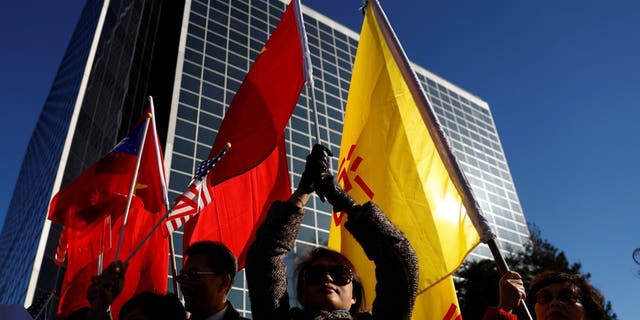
(562, 79)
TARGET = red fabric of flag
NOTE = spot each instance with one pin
(254, 171)
(146, 271)
(86, 199)
(91, 210)
(263, 104)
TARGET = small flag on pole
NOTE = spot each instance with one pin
(195, 197)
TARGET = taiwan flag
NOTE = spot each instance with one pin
(91, 209)
(87, 198)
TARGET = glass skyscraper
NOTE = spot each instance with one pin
(192, 57)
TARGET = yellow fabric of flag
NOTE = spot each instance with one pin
(388, 156)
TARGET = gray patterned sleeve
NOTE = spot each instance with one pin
(395, 260)
(265, 267)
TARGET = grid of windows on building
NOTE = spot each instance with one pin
(113, 60)
(223, 38)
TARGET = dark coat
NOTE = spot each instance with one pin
(396, 264)
(231, 314)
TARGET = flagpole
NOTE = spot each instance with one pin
(102, 236)
(459, 180)
(174, 267)
(165, 196)
(314, 111)
(171, 249)
(306, 66)
(133, 185)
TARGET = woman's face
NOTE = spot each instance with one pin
(559, 301)
(327, 285)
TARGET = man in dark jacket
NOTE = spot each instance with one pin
(205, 281)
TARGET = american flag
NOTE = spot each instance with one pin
(196, 196)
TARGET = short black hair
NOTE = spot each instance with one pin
(155, 306)
(220, 258)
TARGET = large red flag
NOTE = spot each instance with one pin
(91, 210)
(254, 171)
(146, 271)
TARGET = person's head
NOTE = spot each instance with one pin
(327, 280)
(149, 306)
(207, 276)
(560, 295)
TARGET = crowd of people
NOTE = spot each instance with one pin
(327, 284)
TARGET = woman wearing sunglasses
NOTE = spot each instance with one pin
(328, 286)
(555, 295)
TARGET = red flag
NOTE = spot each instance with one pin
(146, 271)
(88, 205)
(254, 172)
(85, 199)
(264, 102)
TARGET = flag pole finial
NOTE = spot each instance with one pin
(363, 8)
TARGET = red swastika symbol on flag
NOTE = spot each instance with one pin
(451, 313)
(346, 182)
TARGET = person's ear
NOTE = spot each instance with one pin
(353, 296)
(225, 284)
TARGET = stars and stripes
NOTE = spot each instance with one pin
(197, 195)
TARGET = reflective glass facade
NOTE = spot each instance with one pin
(128, 62)
(215, 44)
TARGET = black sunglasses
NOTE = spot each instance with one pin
(566, 296)
(340, 275)
(194, 275)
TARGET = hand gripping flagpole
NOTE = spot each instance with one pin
(459, 180)
(133, 185)
(215, 160)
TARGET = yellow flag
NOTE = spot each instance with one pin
(387, 155)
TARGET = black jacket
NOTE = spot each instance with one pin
(230, 314)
